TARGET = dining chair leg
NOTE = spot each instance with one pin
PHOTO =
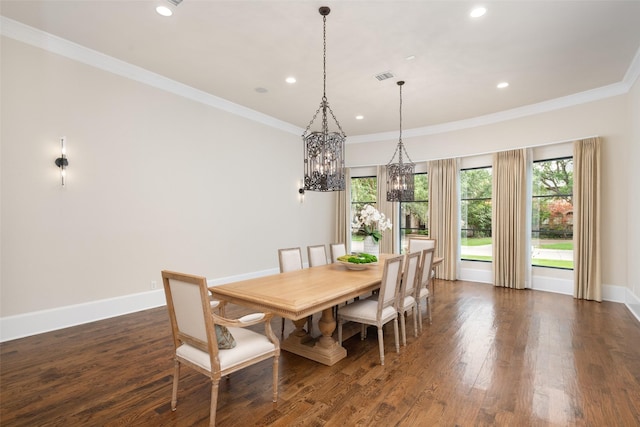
(214, 403)
(174, 393)
(429, 308)
(395, 331)
(381, 342)
(403, 329)
(419, 310)
(339, 331)
(414, 311)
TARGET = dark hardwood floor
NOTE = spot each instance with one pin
(491, 357)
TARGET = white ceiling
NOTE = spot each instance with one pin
(544, 49)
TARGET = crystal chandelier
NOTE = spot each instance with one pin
(400, 175)
(324, 150)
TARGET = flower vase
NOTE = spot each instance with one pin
(371, 246)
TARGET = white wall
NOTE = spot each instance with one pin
(155, 181)
(153, 184)
(608, 118)
(633, 206)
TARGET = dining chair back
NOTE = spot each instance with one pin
(406, 296)
(210, 344)
(317, 255)
(418, 242)
(336, 250)
(290, 259)
(423, 286)
(377, 311)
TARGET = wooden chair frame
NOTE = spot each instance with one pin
(191, 335)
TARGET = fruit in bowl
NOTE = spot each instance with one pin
(359, 258)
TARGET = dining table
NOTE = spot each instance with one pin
(297, 294)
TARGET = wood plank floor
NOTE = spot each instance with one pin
(492, 357)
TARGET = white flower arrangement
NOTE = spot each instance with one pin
(371, 222)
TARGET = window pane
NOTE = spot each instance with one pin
(364, 191)
(475, 212)
(552, 214)
(414, 215)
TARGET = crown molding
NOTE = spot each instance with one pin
(633, 72)
(502, 116)
(49, 42)
(32, 36)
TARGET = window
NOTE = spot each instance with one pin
(475, 210)
(552, 213)
(414, 215)
(364, 190)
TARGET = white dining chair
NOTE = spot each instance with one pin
(379, 311)
(210, 344)
(423, 289)
(418, 243)
(317, 255)
(336, 250)
(290, 259)
(407, 294)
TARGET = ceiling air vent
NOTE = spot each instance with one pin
(384, 76)
(175, 2)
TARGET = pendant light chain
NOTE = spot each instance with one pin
(324, 150)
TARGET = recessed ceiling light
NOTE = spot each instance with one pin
(359, 117)
(478, 12)
(164, 11)
(502, 85)
(290, 80)
(261, 90)
(410, 57)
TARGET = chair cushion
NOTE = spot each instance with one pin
(424, 293)
(365, 311)
(249, 345)
(408, 302)
(224, 337)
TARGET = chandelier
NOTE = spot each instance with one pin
(324, 150)
(400, 175)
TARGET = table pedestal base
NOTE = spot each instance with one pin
(324, 349)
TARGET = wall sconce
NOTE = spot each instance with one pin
(301, 192)
(62, 161)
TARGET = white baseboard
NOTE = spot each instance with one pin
(632, 302)
(38, 322)
(27, 324)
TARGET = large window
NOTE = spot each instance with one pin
(414, 215)
(552, 213)
(364, 190)
(475, 209)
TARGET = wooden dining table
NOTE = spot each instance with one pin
(297, 294)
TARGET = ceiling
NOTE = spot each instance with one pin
(243, 50)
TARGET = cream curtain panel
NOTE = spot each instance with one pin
(343, 212)
(509, 220)
(586, 220)
(387, 208)
(444, 214)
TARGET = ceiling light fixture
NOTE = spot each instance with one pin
(290, 80)
(359, 117)
(324, 150)
(502, 85)
(478, 12)
(164, 11)
(400, 175)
